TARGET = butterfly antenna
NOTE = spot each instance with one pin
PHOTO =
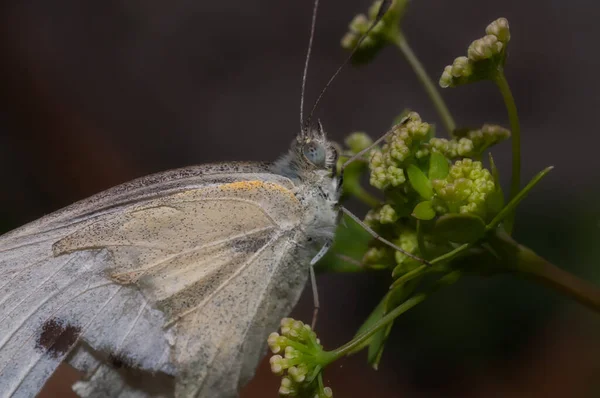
(307, 59)
(383, 8)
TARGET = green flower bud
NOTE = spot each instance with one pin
(302, 358)
(484, 48)
(387, 215)
(461, 67)
(500, 29)
(349, 40)
(375, 255)
(358, 141)
(465, 190)
(395, 176)
(359, 24)
(446, 80)
(288, 387)
(406, 143)
(382, 34)
(469, 143)
(407, 241)
(372, 218)
(483, 55)
(464, 147)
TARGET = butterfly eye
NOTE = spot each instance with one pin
(314, 153)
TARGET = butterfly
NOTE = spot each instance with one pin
(169, 284)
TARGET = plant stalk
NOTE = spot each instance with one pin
(528, 263)
(383, 322)
(515, 129)
(438, 102)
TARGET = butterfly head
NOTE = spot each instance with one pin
(310, 156)
(313, 151)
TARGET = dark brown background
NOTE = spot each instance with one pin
(96, 93)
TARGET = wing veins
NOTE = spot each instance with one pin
(191, 250)
(37, 288)
(22, 377)
(221, 342)
(222, 284)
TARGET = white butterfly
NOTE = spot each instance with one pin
(170, 284)
(182, 273)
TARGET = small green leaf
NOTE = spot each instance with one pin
(424, 211)
(518, 198)
(377, 345)
(393, 299)
(405, 277)
(438, 166)
(420, 182)
(351, 242)
(375, 316)
(495, 200)
(460, 228)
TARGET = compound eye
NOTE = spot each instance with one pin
(314, 153)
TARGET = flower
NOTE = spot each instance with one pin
(483, 57)
(407, 241)
(387, 215)
(406, 143)
(470, 143)
(500, 29)
(465, 190)
(358, 141)
(302, 361)
(385, 32)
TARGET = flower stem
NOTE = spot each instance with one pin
(451, 255)
(354, 343)
(438, 102)
(515, 128)
(528, 263)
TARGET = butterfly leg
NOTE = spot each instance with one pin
(380, 238)
(313, 282)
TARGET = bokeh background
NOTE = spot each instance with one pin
(95, 93)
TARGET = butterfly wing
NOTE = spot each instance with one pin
(179, 274)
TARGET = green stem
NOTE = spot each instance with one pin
(354, 343)
(410, 275)
(512, 205)
(451, 255)
(438, 102)
(515, 128)
(528, 263)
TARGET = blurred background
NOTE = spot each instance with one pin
(96, 93)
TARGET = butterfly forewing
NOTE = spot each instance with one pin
(171, 274)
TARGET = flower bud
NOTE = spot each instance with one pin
(500, 29)
(484, 48)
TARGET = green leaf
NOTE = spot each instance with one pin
(438, 166)
(424, 211)
(495, 200)
(518, 198)
(350, 244)
(460, 228)
(393, 299)
(420, 182)
(377, 345)
(375, 315)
